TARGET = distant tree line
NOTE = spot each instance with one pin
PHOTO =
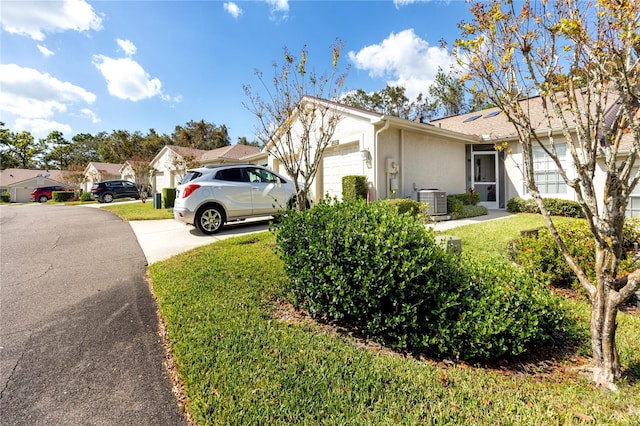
(445, 97)
(55, 152)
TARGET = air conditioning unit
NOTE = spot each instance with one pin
(436, 199)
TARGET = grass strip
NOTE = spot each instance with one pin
(139, 211)
(243, 362)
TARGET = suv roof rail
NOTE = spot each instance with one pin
(215, 166)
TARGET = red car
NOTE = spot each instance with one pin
(43, 193)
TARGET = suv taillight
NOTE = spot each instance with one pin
(189, 189)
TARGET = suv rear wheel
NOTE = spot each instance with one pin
(210, 219)
(43, 199)
(107, 198)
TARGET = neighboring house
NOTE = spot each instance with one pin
(172, 161)
(455, 154)
(20, 183)
(96, 172)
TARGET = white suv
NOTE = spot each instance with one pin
(209, 196)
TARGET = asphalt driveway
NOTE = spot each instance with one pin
(79, 339)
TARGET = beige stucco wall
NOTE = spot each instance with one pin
(424, 162)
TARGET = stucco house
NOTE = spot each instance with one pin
(401, 158)
(96, 172)
(19, 183)
(172, 161)
(504, 169)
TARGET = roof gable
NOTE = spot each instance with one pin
(105, 168)
(10, 177)
(232, 152)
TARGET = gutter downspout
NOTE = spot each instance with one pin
(375, 156)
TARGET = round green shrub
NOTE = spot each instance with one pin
(85, 196)
(503, 312)
(540, 256)
(381, 273)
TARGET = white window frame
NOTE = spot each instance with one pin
(544, 166)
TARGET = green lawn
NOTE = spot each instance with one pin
(245, 358)
(139, 211)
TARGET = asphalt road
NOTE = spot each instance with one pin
(78, 327)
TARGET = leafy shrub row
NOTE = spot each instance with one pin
(467, 199)
(406, 205)
(382, 273)
(540, 256)
(61, 196)
(555, 206)
(354, 188)
(472, 211)
(5, 197)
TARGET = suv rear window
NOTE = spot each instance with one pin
(190, 175)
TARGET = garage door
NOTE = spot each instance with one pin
(339, 162)
(23, 195)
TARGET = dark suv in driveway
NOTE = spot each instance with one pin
(42, 194)
(108, 190)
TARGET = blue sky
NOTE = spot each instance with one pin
(82, 66)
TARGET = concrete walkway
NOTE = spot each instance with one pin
(162, 239)
(450, 224)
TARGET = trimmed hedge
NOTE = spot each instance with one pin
(5, 197)
(467, 199)
(168, 197)
(62, 196)
(381, 273)
(405, 205)
(473, 211)
(354, 188)
(555, 206)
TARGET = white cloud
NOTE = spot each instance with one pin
(40, 128)
(126, 79)
(280, 7)
(127, 46)
(37, 18)
(400, 3)
(404, 59)
(43, 49)
(87, 113)
(29, 94)
(233, 9)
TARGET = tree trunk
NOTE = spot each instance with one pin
(606, 368)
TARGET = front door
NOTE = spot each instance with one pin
(484, 169)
